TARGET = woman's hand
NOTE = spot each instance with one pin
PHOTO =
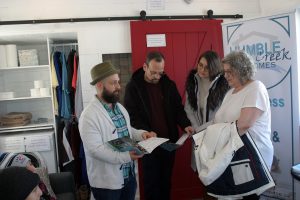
(189, 130)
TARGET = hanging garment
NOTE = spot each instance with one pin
(78, 95)
(75, 65)
(70, 67)
(54, 82)
(67, 144)
(71, 70)
(58, 70)
(62, 154)
(74, 140)
(66, 105)
(74, 79)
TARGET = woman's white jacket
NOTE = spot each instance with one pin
(214, 150)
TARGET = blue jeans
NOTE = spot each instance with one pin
(125, 193)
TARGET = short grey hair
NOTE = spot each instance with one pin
(242, 65)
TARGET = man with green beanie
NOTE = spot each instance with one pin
(111, 173)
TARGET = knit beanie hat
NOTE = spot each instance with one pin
(20, 161)
(101, 71)
(16, 183)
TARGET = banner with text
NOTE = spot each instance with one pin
(271, 41)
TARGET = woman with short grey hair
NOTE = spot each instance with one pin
(242, 64)
(247, 103)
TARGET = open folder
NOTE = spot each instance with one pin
(169, 146)
(173, 146)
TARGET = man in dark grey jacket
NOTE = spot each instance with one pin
(154, 104)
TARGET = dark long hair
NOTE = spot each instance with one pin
(213, 63)
(214, 69)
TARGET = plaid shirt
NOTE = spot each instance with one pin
(122, 130)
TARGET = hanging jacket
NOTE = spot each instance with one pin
(66, 104)
(230, 166)
(71, 70)
(58, 70)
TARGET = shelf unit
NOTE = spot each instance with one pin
(20, 79)
(23, 67)
(24, 98)
(28, 127)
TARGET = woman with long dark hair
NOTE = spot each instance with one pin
(205, 89)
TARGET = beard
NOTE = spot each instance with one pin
(111, 97)
(154, 81)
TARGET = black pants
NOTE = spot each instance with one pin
(251, 197)
(125, 193)
(157, 171)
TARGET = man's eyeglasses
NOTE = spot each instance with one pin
(152, 73)
(114, 83)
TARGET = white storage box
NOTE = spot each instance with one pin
(7, 95)
(28, 57)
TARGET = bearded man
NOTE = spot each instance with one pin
(111, 173)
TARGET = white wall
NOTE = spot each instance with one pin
(97, 38)
(269, 7)
(32, 9)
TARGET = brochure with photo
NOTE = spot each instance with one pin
(143, 147)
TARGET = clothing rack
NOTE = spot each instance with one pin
(63, 45)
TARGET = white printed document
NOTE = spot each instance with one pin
(151, 143)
